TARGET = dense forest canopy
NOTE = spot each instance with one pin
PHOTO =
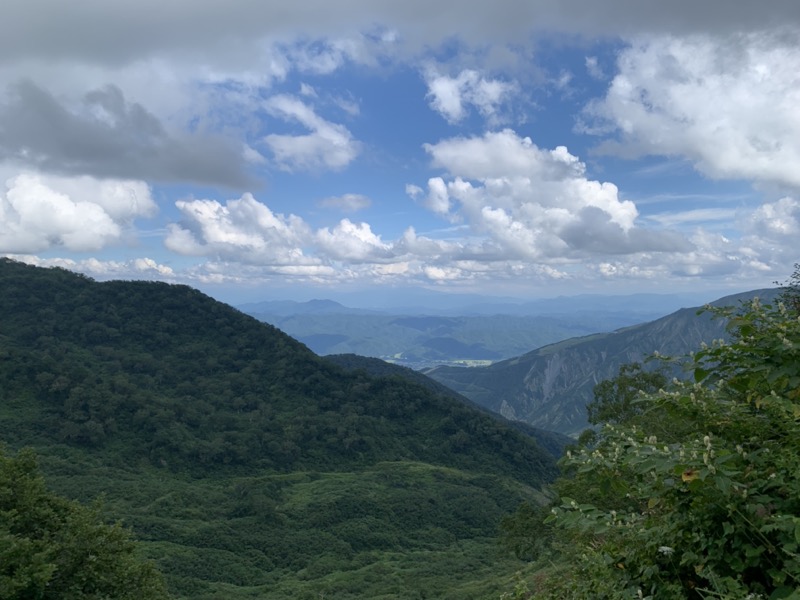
(243, 462)
(174, 377)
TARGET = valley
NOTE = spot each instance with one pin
(246, 465)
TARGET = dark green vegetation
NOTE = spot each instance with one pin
(550, 387)
(690, 491)
(248, 466)
(55, 549)
(419, 341)
(553, 442)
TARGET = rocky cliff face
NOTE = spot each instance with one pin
(550, 387)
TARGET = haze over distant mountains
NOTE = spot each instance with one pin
(470, 330)
(426, 302)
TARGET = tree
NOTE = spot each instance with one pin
(53, 548)
(706, 507)
(790, 294)
(615, 399)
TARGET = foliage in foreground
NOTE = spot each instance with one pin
(696, 493)
(52, 548)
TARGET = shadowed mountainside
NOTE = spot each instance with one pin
(550, 387)
(553, 442)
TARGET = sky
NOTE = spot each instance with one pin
(261, 150)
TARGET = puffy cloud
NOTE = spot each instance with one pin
(38, 212)
(122, 200)
(437, 199)
(536, 204)
(137, 268)
(248, 233)
(730, 105)
(502, 154)
(593, 231)
(713, 257)
(346, 202)
(353, 243)
(443, 273)
(182, 72)
(247, 237)
(778, 221)
(410, 244)
(243, 230)
(103, 135)
(225, 272)
(451, 96)
(328, 146)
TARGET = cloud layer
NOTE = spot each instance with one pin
(104, 103)
(103, 135)
(114, 34)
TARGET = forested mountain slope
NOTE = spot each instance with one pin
(550, 387)
(243, 460)
(553, 442)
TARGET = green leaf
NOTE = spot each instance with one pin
(723, 484)
(782, 592)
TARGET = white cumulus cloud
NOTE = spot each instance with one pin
(352, 242)
(137, 268)
(729, 104)
(535, 203)
(327, 146)
(38, 212)
(243, 230)
(451, 97)
(777, 221)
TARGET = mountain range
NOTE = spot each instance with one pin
(549, 387)
(484, 333)
(442, 304)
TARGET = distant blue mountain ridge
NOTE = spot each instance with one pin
(488, 330)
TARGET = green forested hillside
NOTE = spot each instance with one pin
(553, 442)
(249, 466)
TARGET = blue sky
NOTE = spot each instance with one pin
(261, 150)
